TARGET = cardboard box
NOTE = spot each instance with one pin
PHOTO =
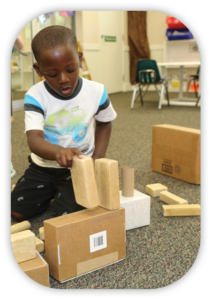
(36, 269)
(137, 209)
(176, 152)
(81, 242)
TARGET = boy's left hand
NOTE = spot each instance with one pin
(64, 157)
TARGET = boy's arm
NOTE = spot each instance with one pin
(102, 137)
(45, 150)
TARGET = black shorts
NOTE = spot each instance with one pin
(38, 186)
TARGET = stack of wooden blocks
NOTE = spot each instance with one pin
(26, 248)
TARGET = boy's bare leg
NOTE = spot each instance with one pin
(18, 217)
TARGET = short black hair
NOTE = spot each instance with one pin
(52, 37)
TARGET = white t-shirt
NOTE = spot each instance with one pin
(68, 122)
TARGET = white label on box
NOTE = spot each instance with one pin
(98, 241)
(58, 253)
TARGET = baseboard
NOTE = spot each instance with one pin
(17, 104)
(127, 87)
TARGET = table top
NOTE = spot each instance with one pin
(179, 64)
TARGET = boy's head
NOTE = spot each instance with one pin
(58, 60)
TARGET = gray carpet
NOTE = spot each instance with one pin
(158, 254)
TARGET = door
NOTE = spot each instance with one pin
(111, 43)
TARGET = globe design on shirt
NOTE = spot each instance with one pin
(63, 123)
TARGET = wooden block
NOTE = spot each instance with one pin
(107, 176)
(84, 181)
(13, 186)
(23, 245)
(39, 245)
(155, 189)
(181, 210)
(170, 198)
(42, 233)
(20, 227)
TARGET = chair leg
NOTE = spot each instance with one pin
(141, 98)
(198, 100)
(195, 89)
(161, 97)
(167, 94)
(133, 97)
(188, 86)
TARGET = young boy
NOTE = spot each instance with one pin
(59, 122)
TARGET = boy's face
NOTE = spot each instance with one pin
(60, 68)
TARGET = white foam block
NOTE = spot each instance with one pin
(137, 210)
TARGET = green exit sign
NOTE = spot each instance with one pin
(110, 38)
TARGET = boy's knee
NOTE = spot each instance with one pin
(18, 217)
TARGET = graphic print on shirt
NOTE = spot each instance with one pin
(64, 123)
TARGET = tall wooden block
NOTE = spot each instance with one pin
(170, 198)
(84, 181)
(155, 189)
(23, 245)
(181, 210)
(107, 176)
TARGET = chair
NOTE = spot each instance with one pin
(147, 73)
(195, 79)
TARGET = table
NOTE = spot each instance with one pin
(181, 100)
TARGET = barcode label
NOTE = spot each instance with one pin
(166, 168)
(98, 241)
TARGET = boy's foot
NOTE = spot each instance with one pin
(13, 172)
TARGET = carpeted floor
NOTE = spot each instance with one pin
(158, 254)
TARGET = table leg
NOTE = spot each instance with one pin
(181, 82)
(163, 72)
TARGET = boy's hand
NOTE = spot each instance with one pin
(64, 157)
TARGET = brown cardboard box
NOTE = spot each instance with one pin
(176, 152)
(36, 269)
(84, 241)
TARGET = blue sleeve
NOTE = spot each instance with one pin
(104, 102)
(31, 104)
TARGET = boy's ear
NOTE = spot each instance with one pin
(80, 55)
(37, 69)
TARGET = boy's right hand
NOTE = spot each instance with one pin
(64, 157)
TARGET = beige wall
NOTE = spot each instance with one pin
(125, 28)
(156, 27)
(87, 27)
(91, 32)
